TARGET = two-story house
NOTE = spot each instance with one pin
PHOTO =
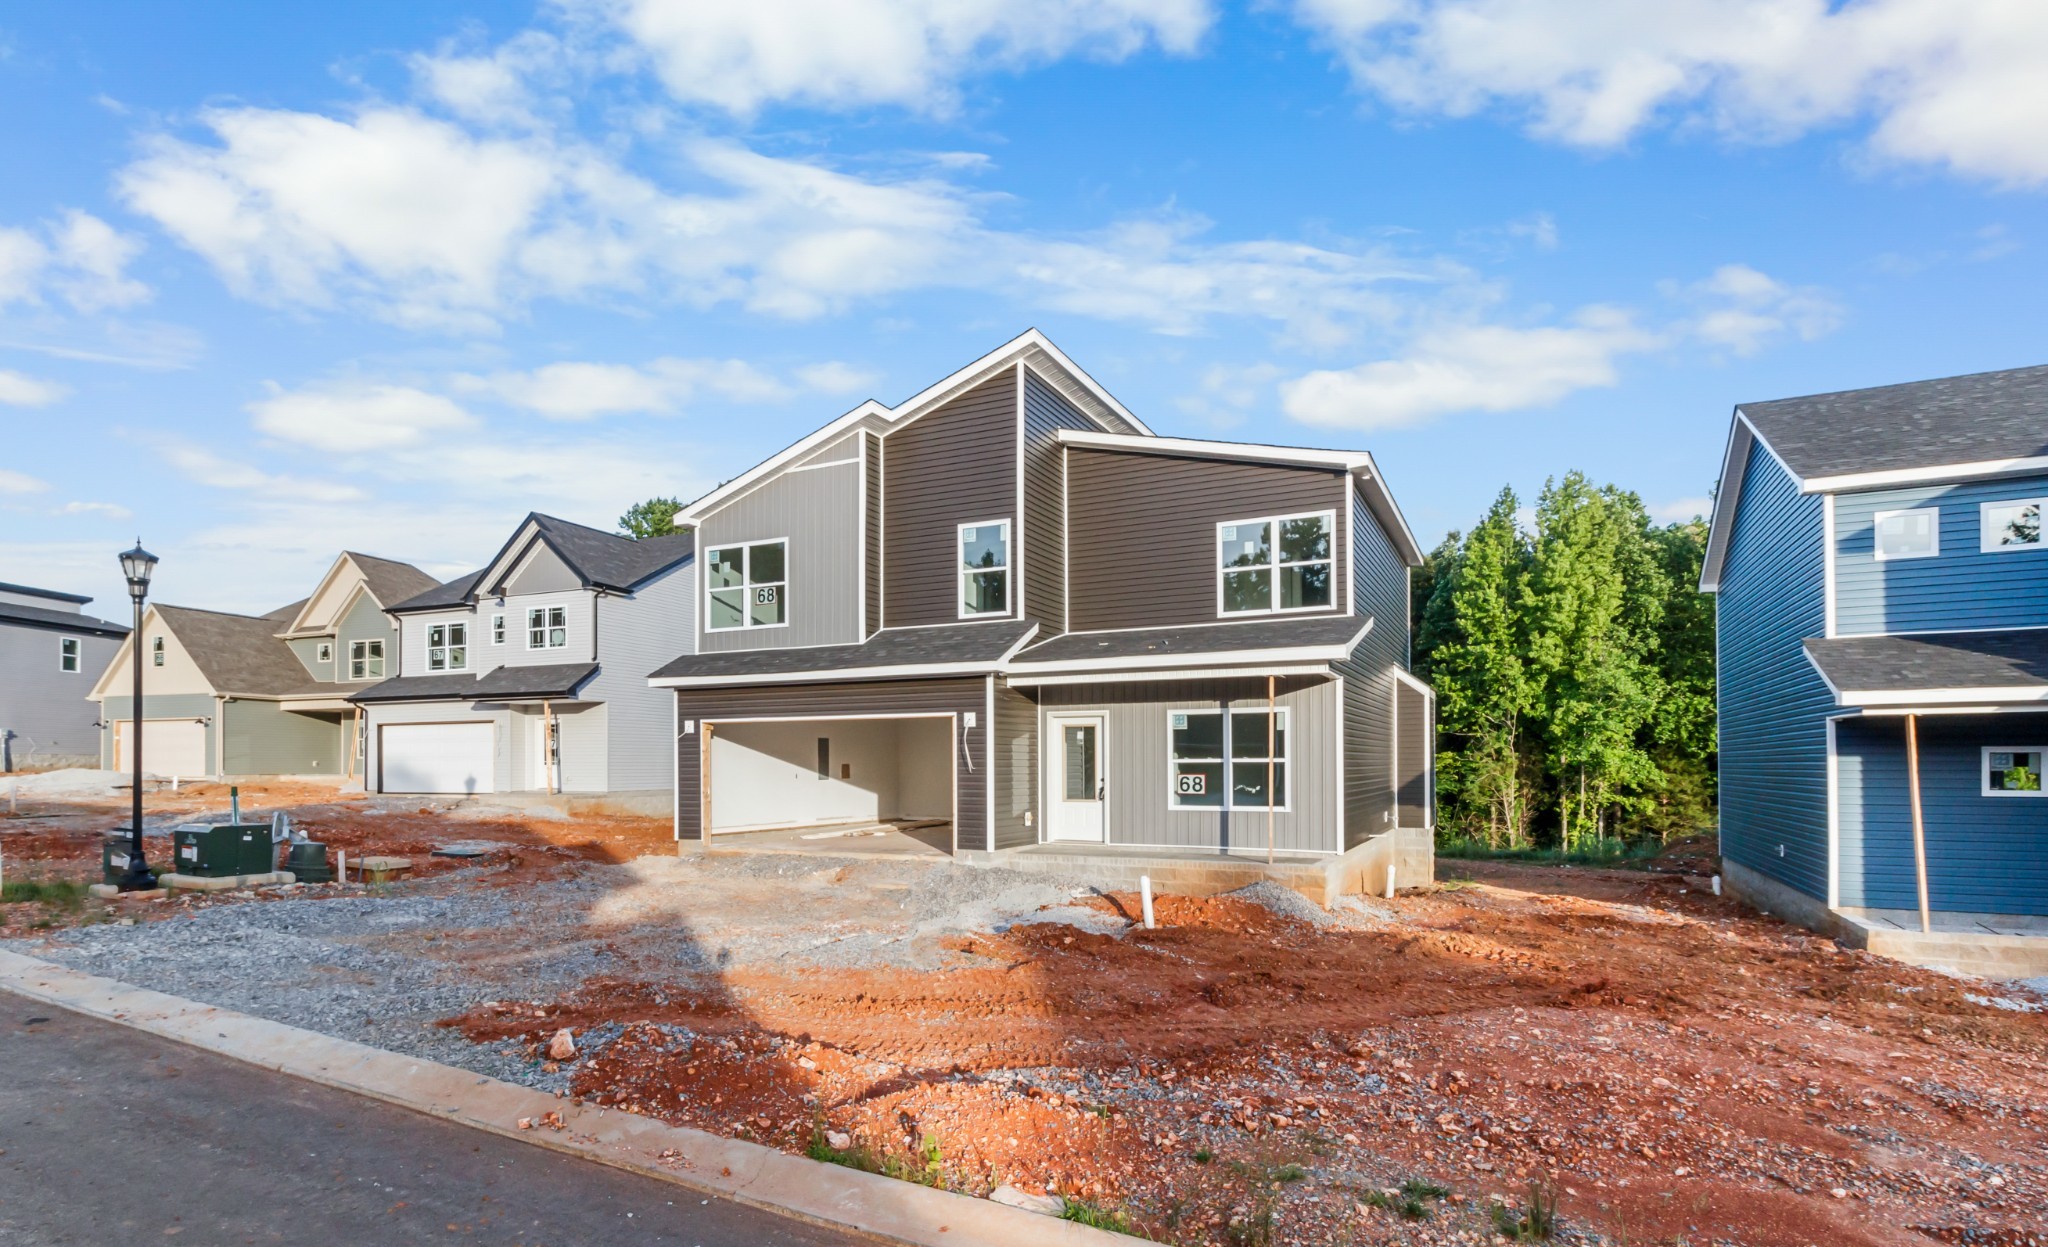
(50, 653)
(228, 695)
(1008, 615)
(529, 675)
(1881, 583)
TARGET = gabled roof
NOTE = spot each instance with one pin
(390, 581)
(240, 655)
(943, 649)
(1319, 638)
(600, 559)
(553, 680)
(58, 621)
(1934, 667)
(51, 594)
(386, 580)
(1030, 347)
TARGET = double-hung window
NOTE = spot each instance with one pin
(497, 629)
(323, 653)
(747, 586)
(156, 652)
(366, 660)
(985, 568)
(67, 653)
(547, 627)
(1220, 759)
(448, 647)
(2013, 525)
(2012, 771)
(1280, 563)
(1914, 534)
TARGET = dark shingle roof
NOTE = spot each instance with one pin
(1982, 417)
(241, 654)
(454, 593)
(58, 621)
(609, 560)
(390, 581)
(502, 684)
(1931, 661)
(51, 594)
(1220, 640)
(967, 644)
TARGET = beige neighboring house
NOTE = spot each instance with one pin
(228, 695)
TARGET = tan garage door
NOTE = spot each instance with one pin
(169, 747)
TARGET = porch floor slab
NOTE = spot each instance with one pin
(885, 839)
(1998, 946)
(1321, 877)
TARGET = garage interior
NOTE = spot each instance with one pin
(812, 774)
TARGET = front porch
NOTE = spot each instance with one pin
(1407, 855)
(1992, 946)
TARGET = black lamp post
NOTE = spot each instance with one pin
(137, 565)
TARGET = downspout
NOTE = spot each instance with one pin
(1919, 830)
(220, 735)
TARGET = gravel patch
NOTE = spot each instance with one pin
(1283, 901)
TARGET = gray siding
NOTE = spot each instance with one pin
(819, 510)
(262, 738)
(1417, 743)
(579, 607)
(541, 570)
(1960, 588)
(635, 635)
(1046, 412)
(1138, 779)
(1984, 854)
(970, 762)
(1141, 532)
(158, 706)
(871, 535)
(44, 706)
(1774, 707)
(1380, 591)
(1016, 768)
(364, 621)
(956, 465)
(307, 650)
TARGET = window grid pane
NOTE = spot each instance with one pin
(1199, 762)
(747, 586)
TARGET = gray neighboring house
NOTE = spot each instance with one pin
(50, 654)
(529, 675)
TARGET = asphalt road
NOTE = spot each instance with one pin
(109, 1136)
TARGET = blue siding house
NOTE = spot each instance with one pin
(1881, 586)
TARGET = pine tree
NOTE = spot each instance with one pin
(1481, 676)
(652, 518)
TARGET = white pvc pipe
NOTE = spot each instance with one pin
(1717, 885)
(1145, 896)
(1390, 881)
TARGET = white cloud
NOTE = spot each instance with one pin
(1957, 83)
(1228, 393)
(1471, 368)
(20, 390)
(357, 417)
(1745, 309)
(111, 510)
(207, 468)
(12, 482)
(1679, 510)
(580, 391)
(852, 53)
(78, 258)
(835, 377)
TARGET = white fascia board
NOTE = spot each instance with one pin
(1299, 456)
(828, 676)
(1728, 496)
(1937, 474)
(1820, 671)
(1407, 677)
(300, 625)
(2031, 693)
(1178, 662)
(1018, 680)
(694, 514)
(1895, 712)
(1033, 337)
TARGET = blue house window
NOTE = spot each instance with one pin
(1914, 534)
(2012, 771)
(2012, 525)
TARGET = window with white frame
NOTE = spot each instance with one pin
(1914, 534)
(747, 586)
(547, 627)
(323, 652)
(366, 660)
(156, 652)
(985, 568)
(2012, 525)
(1280, 563)
(1219, 759)
(2012, 771)
(68, 653)
(448, 647)
(497, 629)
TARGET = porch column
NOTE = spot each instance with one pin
(1919, 830)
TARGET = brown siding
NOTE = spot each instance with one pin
(957, 465)
(1141, 532)
(1016, 761)
(1411, 764)
(872, 523)
(881, 697)
(1046, 412)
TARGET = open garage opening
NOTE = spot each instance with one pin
(791, 781)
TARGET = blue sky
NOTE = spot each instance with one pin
(277, 281)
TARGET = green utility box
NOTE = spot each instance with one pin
(114, 852)
(308, 862)
(223, 850)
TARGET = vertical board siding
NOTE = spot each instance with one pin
(872, 535)
(1412, 757)
(956, 465)
(1960, 588)
(1381, 587)
(819, 511)
(1138, 779)
(44, 706)
(1984, 854)
(1773, 705)
(1141, 532)
(1046, 412)
(893, 697)
(636, 634)
(263, 738)
(1016, 763)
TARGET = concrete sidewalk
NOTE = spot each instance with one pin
(828, 1195)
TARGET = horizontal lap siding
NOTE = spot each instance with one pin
(263, 738)
(1984, 854)
(44, 705)
(1960, 588)
(891, 697)
(1141, 532)
(872, 530)
(957, 465)
(1381, 581)
(1412, 774)
(1774, 707)
(819, 511)
(1046, 412)
(637, 633)
(1016, 763)
(1138, 779)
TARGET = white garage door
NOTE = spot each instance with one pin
(435, 757)
(169, 747)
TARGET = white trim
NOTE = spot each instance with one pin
(326, 659)
(1149, 662)
(365, 642)
(1877, 520)
(1050, 722)
(1179, 673)
(747, 582)
(1343, 556)
(961, 571)
(1834, 799)
(497, 627)
(1931, 474)
(1408, 677)
(1891, 712)
(1728, 496)
(1300, 456)
(70, 649)
(448, 643)
(862, 581)
(829, 463)
(1182, 627)
(1066, 550)
(881, 530)
(1337, 747)
(546, 626)
(1284, 725)
(1984, 771)
(834, 675)
(1947, 631)
(1014, 598)
(1827, 569)
(1936, 696)
(988, 761)
(675, 760)
(1275, 566)
(825, 718)
(1984, 543)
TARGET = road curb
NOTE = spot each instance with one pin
(823, 1194)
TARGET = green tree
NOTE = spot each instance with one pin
(653, 518)
(1482, 679)
(1429, 605)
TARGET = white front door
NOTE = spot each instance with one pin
(537, 759)
(1079, 785)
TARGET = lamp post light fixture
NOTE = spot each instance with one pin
(137, 565)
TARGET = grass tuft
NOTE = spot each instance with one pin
(1536, 1223)
(64, 892)
(1603, 853)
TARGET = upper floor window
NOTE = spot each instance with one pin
(1914, 534)
(448, 647)
(2014, 525)
(2012, 772)
(547, 627)
(985, 568)
(1222, 759)
(67, 653)
(323, 652)
(497, 629)
(1282, 563)
(366, 660)
(747, 586)
(156, 652)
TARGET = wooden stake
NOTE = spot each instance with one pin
(547, 744)
(1919, 830)
(1272, 798)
